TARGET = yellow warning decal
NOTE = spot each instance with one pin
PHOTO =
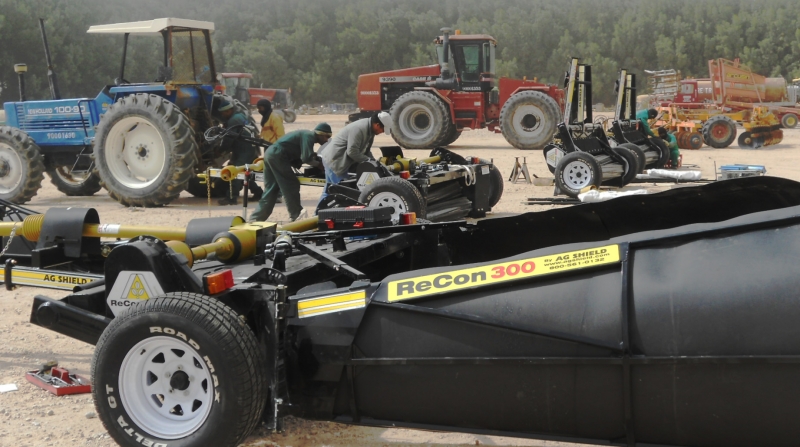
(410, 288)
(328, 304)
(137, 291)
(49, 280)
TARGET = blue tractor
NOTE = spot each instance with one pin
(143, 142)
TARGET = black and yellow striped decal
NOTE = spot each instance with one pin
(334, 303)
(49, 279)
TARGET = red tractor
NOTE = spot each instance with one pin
(431, 105)
(237, 85)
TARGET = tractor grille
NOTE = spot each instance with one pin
(42, 123)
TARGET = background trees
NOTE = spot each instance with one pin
(319, 47)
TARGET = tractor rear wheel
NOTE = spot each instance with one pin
(451, 137)
(420, 121)
(789, 121)
(21, 166)
(528, 119)
(718, 132)
(73, 183)
(145, 151)
(577, 171)
(395, 192)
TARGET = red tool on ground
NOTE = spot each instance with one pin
(58, 381)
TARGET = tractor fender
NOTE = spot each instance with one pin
(443, 98)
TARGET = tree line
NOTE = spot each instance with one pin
(319, 47)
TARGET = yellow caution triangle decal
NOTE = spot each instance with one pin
(137, 290)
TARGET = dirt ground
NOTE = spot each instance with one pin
(32, 417)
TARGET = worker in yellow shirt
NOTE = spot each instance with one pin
(271, 123)
(271, 130)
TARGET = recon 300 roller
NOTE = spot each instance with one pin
(671, 319)
(580, 155)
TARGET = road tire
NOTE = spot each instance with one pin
(289, 116)
(145, 151)
(396, 192)
(73, 184)
(496, 183)
(631, 164)
(789, 121)
(639, 153)
(219, 188)
(718, 132)
(185, 349)
(577, 171)
(420, 120)
(21, 166)
(528, 119)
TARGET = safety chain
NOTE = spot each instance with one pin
(8, 244)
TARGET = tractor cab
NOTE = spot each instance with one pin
(185, 73)
(236, 85)
(467, 59)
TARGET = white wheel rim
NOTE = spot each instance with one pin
(391, 199)
(10, 169)
(416, 121)
(71, 178)
(150, 379)
(135, 152)
(577, 175)
(528, 122)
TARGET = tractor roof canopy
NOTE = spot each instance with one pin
(188, 58)
(151, 27)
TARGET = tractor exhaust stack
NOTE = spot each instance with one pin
(20, 70)
(51, 74)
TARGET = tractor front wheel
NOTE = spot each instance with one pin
(74, 183)
(420, 121)
(21, 166)
(145, 151)
(528, 119)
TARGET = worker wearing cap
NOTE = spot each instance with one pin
(271, 123)
(279, 178)
(242, 152)
(643, 116)
(350, 146)
(672, 143)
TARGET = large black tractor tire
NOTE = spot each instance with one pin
(641, 158)
(496, 183)
(145, 151)
(451, 137)
(719, 131)
(420, 120)
(74, 184)
(181, 370)
(219, 188)
(528, 119)
(21, 166)
(396, 192)
(576, 172)
(789, 121)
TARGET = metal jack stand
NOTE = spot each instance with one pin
(520, 170)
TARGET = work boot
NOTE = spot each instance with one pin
(228, 201)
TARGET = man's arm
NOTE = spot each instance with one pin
(307, 151)
(356, 143)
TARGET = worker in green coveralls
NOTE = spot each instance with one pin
(672, 143)
(643, 116)
(242, 152)
(292, 149)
